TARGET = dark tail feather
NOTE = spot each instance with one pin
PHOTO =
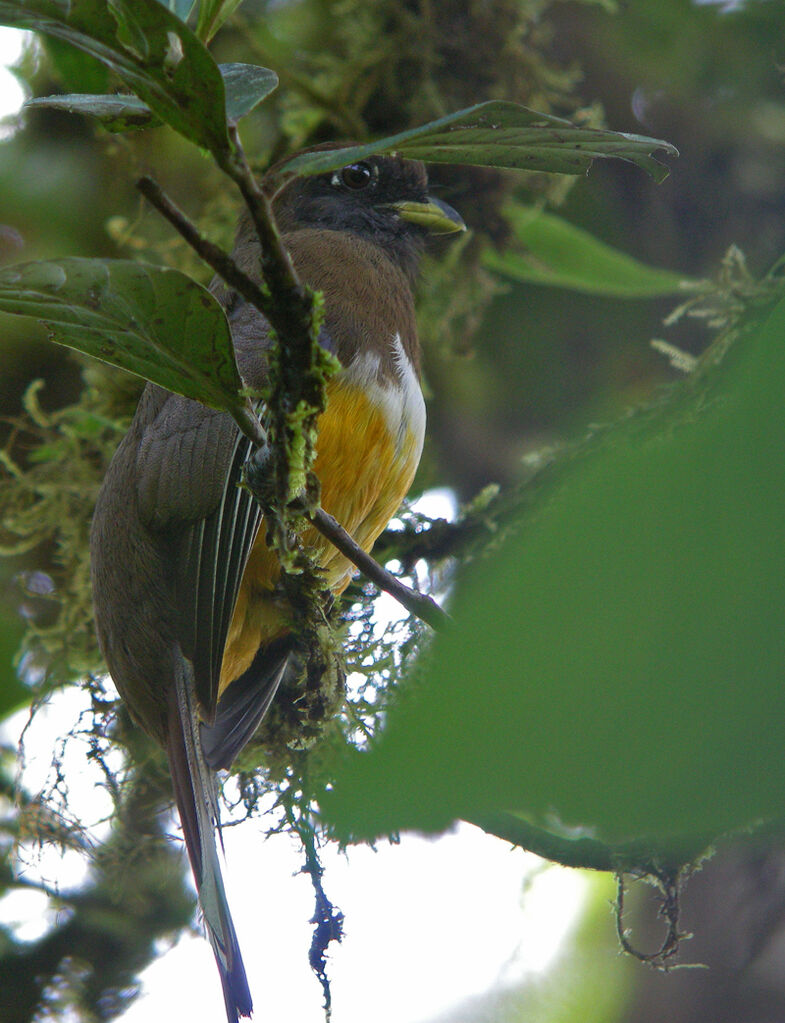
(244, 703)
(194, 791)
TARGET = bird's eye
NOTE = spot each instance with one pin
(357, 175)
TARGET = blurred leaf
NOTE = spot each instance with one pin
(617, 662)
(13, 693)
(114, 112)
(246, 86)
(586, 980)
(154, 322)
(499, 134)
(149, 48)
(559, 254)
(212, 14)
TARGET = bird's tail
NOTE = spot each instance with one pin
(194, 791)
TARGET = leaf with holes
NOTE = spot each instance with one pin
(154, 322)
(498, 134)
(154, 53)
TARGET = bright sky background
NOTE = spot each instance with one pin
(11, 95)
(429, 922)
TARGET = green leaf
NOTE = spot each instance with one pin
(499, 134)
(246, 86)
(114, 112)
(212, 14)
(154, 322)
(75, 70)
(617, 662)
(154, 53)
(559, 254)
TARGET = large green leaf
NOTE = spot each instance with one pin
(619, 662)
(246, 86)
(556, 253)
(499, 134)
(154, 322)
(149, 48)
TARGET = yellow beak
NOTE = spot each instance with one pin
(434, 215)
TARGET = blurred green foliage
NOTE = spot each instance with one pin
(627, 676)
(552, 251)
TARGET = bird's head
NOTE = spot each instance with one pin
(382, 199)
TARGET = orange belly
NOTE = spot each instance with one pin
(365, 472)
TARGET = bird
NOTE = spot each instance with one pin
(194, 633)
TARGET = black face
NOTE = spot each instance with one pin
(358, 198)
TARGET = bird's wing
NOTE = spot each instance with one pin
(212, 560)
(189, 474)
(189, 471)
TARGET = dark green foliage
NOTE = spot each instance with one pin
(499, 134)
(246, 86)
(632, 619)
(151, 50)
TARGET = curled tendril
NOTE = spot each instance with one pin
(669, 884)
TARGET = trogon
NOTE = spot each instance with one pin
(194, 632)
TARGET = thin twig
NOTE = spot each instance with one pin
(299, 366)
(291, 310)
(417, 604)
(327, 919)
(215, 257)
(637, 859)
(226, 268)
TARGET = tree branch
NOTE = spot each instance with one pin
(212, 254)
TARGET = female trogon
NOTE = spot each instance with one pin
(192, 629)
